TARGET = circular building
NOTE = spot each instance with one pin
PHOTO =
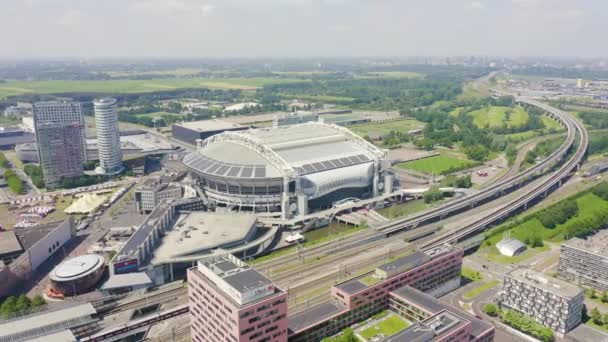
(78, 274)
(289, 169)
(108, 135)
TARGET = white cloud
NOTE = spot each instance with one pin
(477, 5)
(72, 18)
(207, 9)
(159, 6)
(340, 28)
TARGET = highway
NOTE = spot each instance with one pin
(574, 129)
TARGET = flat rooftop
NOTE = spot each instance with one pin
(313, 315)
(235, 279)
(198, 232)
(9, 243)
(209, 125)
(444, 318)
(540, 280)
(46, 323)
(596, 244)
(366, 280)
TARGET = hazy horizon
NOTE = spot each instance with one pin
(184, 29)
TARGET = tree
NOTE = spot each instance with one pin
(38, 301)
(8, 307)
(596, 316)
(591, 293)
(23, 303)
(605, 319)
(605, 297)
(490, 309)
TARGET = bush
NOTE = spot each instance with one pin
(432, 195)
(458, 182)
(527, 325)
(558, 213)
(3, 160)
(491, 310)
(346, 336)
(14, 183)
(35, 173)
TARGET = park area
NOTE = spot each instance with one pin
(384, 128)
(385, 326)
(498, 116)
(437, 165)
(532, 229)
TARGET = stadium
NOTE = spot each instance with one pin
(291, 170)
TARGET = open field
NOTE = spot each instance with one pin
(175, 72)
(496, 116)
(12, 88)
(392, 74)
(436, 165)
(387, 327)
(550, 123)
(386, 127)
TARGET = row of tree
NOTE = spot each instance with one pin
(558, 213)
(13, 306)
(15, 184)
(35, 174)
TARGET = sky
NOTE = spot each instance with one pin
(302, 28)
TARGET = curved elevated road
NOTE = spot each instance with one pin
(575, 129)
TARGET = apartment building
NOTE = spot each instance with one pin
(585, 262)
(551, 302)
(234, 303)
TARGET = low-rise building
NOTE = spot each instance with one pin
(435, 321)
(435, 272)
(230, 301)
(551, 302)
(189, 132)
(585, 262)
(152, 191)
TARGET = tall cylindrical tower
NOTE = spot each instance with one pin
(108, 137)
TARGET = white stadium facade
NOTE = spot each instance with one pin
(291, 170)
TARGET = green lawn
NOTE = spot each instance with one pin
(11, 88)
(436, 164)
(589, 205)
(157, 115)
(521, 136)
(480, 289)
(388, 327)
(551, 124)
(456, 111)
(403, 209)
(496, 116)
(386, 127)
(471, 274)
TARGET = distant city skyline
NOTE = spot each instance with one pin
(301, 28)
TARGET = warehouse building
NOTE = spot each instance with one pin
(551, 302)
(289, 170)
(189, 132)
(585, 262)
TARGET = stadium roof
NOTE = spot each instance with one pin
(273, 152)
(209, 125)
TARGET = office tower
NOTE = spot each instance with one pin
(108, 136)
(61, 141)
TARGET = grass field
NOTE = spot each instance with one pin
(470, 274)
(551, 124)
(521, 136)
(176, 72)
(387, 327)
(481, 289)
(11, 88)
(403, 209)
(386, 127)
(157, 115)
(496, 116)
(436, 164)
